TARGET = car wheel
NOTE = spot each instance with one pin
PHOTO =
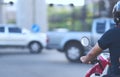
(73, 52)
(35, 47)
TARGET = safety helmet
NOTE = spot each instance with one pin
(116, 12)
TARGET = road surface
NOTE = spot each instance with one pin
(49, 63)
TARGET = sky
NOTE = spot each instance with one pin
(10, 0)
(65, 2)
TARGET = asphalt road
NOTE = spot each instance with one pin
(50, 63)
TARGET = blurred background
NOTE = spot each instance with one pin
(44, 16)
(50, 14)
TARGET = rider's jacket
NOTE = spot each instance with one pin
(111, 40)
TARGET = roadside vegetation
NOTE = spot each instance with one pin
(66, 17)
(78, 18)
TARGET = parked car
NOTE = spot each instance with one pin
(13, 36)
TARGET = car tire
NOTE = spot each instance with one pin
(35, 47)
(74, 51)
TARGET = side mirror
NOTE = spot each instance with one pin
(85, 41)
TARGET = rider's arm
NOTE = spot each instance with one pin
(94, 52)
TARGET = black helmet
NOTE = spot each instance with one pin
(116, 12)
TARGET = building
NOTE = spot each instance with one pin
(32, 12)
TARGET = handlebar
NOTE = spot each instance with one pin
(97, 61)
(94, 61)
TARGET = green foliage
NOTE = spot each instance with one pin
(60, 17)
(11, 21)
(66, 17)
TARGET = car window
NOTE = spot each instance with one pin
(2, 29)
(100, 27)
(14, 30)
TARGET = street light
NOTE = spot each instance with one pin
(11, 3)
(6, 3)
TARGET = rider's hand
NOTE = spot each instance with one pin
(83, 60)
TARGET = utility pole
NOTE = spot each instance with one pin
(72, 16)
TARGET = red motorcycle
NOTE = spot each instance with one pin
(102, 64)
(101, 67)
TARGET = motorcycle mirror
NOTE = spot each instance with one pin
(85, 41)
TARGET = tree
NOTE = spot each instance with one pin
(112, 3)
(102, 5)
(83, 18)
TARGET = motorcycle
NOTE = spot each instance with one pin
(100, 68)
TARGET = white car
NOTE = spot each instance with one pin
(13, 36)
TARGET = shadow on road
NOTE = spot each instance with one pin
(22, 52)
(12, 52)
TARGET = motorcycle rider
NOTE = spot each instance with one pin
(110, 40)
